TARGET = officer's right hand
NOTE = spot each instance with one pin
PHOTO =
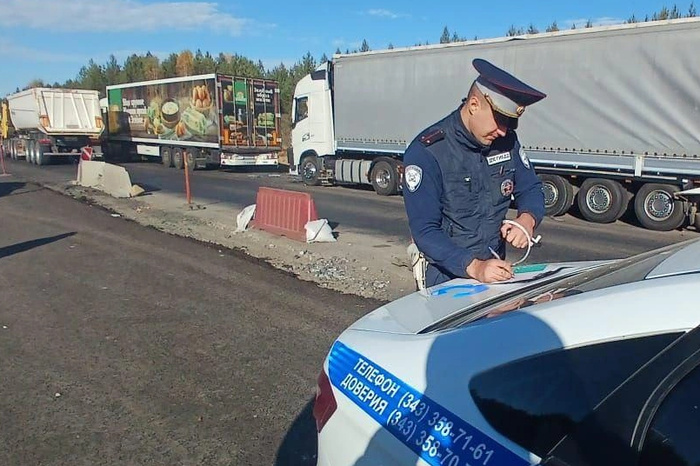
(489, 271)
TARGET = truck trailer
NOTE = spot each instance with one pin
(203, 120)
(53, 122)
(619, 129)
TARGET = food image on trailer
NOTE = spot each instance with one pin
(176, 111)
(265, 109)
(235, 127)
(249, 112)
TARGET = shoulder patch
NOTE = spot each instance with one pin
(432, 136)
(413, 176)
(524, 159)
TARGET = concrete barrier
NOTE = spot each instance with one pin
(112, 179)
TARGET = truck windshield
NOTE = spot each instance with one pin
(619, 272)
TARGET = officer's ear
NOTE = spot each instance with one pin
(473, 104)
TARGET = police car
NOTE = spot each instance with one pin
(587, 363)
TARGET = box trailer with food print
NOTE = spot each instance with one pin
(196, 121)
(618, 131)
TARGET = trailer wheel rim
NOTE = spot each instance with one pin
(309, 170)
(658, 205)
(382, 178)
(599, 199)
(551, 194)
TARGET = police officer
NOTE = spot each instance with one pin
(460, 175)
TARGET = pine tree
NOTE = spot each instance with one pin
(692, 12)
(532, 29)
(675, 12)
(113, 71)
(445, 37)
(365, 46)
(513, 31)
(552, 27)
(168, 67)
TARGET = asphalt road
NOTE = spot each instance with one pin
(361, 210)
(123, 345)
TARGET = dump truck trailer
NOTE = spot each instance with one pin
(53, 122)
(619, 129)
(196, 121)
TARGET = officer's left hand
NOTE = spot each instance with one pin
(514, 235)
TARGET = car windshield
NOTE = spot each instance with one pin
(619, 272)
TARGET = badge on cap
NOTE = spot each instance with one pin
(507, 187)
(413, 175)
(523, 157)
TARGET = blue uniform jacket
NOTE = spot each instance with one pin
(457, 193)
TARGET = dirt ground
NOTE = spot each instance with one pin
(363, 265)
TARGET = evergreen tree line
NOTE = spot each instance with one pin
(147, 67)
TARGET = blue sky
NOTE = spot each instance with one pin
(52, 39)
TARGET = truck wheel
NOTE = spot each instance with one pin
(558, 195)
(178, 158)
(166, 156)
(384, 178)
(657, 209)
(29, 150)
(191, 159)
(13, 149)
(310, 169)
(600, 200)
(39, 157)
(624, 205)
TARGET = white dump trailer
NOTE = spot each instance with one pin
(52, 122)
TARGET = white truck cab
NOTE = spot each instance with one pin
(312, 125)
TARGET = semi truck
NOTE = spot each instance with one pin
(195, 121)
(619, 129)
(54, 122)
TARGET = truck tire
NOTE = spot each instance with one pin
(29, 151)
(13, 150)
(624, 205)
(601, 200)
(178, 158)
(309, 170)
(384, 177)
(39, 157)
(657, 209)
(166, 156)
(558, 195)
(191, 156)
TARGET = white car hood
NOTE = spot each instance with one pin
(421, 309)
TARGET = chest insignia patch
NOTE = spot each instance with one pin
(507, 187)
